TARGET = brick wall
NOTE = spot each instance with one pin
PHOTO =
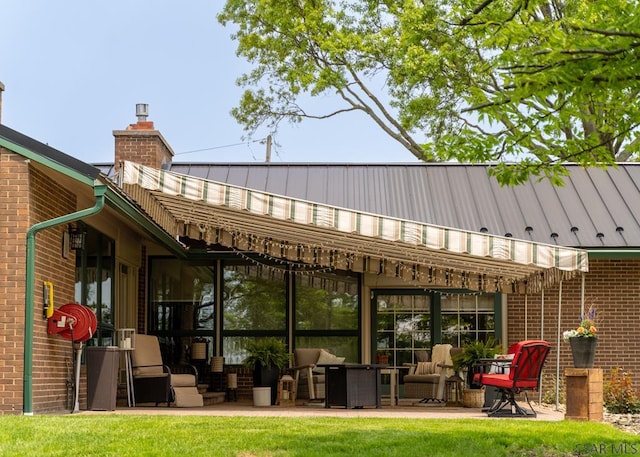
(52, 355)
(613, 286)
(26, 199)
(14, 210)
(140, 143)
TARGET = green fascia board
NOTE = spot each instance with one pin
(36, 157)
(622, 253)
(124, 207)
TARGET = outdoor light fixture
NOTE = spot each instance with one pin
(76, 238)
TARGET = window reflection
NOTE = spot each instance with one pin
(94, 282)
(182, 309)
(254, 306)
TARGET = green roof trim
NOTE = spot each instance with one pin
(624, 253)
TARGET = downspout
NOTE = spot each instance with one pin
(99, 192)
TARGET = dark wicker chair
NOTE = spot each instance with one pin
(151, 378)
(154, 382)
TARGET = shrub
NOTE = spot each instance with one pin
(619, 394)
(548, 387)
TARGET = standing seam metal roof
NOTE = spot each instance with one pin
(596, 208)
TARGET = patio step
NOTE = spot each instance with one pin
(213, 398)
(209, 398)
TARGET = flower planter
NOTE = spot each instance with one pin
(473, 398)
(382, 359)
(583, 351)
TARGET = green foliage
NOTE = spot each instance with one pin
(619, 395)
(158, 435)
(253, 299)
(267, 352)
(474, 351)
(539, 83)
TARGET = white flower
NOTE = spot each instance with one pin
(569, 334)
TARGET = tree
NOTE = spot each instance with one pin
(537, 82)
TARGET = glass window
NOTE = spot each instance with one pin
(409, 320)
(342, 346)
(94, 281)
(467, 317)
(327, 313)
(326, 302)
(182, 296)
(404, 325)
(254, 306)
(182, 308)
(254, 298)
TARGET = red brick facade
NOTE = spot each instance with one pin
(142, 144)
(27, 199)
(613, 286)
(14, 223)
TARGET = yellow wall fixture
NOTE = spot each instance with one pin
(47, 298)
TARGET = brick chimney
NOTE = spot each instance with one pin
(141, 142)
(1, 91)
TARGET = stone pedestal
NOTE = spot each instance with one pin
(584, 394)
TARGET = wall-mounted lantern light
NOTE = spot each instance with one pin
(76, 238)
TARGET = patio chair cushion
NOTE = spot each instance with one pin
(422, 355)
(501, 367)
(427, 380)
(183, 380)
(147, 359)
(187, 397)
(423, 368)
(307, 356)
(305, 361)
(325, 357)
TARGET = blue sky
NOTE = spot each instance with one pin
(75, 69)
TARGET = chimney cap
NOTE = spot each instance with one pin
(142, 111)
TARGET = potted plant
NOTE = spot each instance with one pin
(267, 356)
(382, 357)
(469, 360)
(583, 340)
(471, 354)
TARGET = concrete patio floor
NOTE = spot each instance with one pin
(246, 408)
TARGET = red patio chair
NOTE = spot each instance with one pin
(523, 375)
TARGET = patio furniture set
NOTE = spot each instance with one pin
(322, 377)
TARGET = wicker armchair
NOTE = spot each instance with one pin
(426, 380)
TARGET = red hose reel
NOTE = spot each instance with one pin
(73, 322)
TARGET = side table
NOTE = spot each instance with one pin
(352, 385)
(394, 382)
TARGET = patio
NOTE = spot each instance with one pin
(405, 409)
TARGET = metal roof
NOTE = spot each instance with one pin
(595, 208)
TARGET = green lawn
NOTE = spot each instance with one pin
(191, 436)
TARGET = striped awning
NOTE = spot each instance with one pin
(298, 231)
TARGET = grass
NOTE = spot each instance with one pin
(192, 436)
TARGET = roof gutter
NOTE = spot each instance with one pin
(99, 192)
